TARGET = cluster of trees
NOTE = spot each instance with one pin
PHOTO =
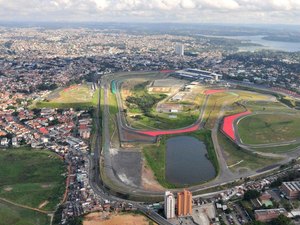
(144, 102)
(47, 86)
(281, 220)
(292, 175)
(251, 194)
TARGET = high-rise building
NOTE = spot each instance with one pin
(179, 49)
(184, 203)
(169, 205)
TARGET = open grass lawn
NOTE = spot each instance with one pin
(75, 93)
(279, 149)
(32, 177)
(156, 155)
(74, 96)
(269, 128)
(267, 106)
(213, 107)
(113, 105)
(14, 215)
(163, 121)
(234, 155)
(153, 119)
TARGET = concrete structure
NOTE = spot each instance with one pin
(169, 108)
(291, 189)
(204, 214)
(266, 215)
(169, 205)
(184, 203)
(196, 74)
(179, 49)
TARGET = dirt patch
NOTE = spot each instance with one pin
(46, 185)
(8, 189)
(43, 204)
(148, 179)
(114, 219)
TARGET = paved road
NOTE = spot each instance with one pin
(97, 184)
(225, 176)
(126, 126)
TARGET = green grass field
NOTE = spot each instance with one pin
(14, 215)
(138, 118)
(241, 158)
(32, 177)
(75, 96)
(269, 128)
(156, 155)
(278, 149)
(232, 102)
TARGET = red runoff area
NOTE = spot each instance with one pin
(165, 132)
(228, 123)
(214, 91)
(184, 130)
(167, 71)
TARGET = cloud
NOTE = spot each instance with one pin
(154, 10)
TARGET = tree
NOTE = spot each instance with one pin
(75, 221)
(251, 194)
(287, 205)
(281, 220)
(256, 223)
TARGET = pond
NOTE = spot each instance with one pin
(186, 161)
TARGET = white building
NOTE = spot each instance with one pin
(4, 142)
(179, 49)
(196, 74)
(169, 205)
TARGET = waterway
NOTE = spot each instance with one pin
(265, 44)
(186, 161)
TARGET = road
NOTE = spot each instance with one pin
(102, 160)
(95, 177)
(123, 122)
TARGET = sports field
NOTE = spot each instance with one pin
(74, 93)
(79, 95)
(32, 178)
(269, 128)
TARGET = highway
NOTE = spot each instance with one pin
(95, 177)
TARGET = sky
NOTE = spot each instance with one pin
(178, 11)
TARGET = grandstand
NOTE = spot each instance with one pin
(196, 74)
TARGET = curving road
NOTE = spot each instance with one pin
(101, 160)
(123, 122)
(96, 182)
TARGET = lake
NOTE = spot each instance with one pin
(266, 44)
(186, 161)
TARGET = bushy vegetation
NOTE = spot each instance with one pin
(144, 102)
(280, 220)
(251, 194)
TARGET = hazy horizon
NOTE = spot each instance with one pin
(153, 11)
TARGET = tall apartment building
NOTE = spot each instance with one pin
(184, 203)
(179, 49)
(169, 205)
